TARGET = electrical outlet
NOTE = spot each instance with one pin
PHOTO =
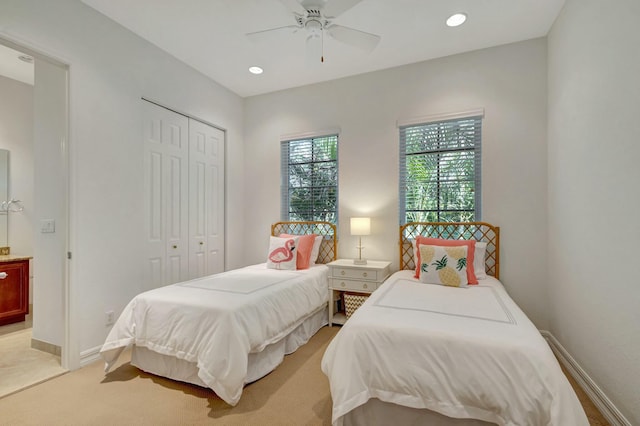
(109, 318)
(47, 226)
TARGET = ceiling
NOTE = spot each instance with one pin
(210, 35)
(12, 66)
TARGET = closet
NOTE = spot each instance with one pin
(184, 197)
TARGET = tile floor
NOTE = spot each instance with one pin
(20, 365)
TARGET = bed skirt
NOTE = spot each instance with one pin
(260, 363)
(380, 412)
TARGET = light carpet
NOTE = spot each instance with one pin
(296, 393)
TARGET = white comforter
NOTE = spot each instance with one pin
(216, 321)
(462, 352)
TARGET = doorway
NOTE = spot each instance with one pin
(33, 349)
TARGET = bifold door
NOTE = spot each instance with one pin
(184, 197)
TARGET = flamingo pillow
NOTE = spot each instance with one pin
(283, 253)
(306, 245)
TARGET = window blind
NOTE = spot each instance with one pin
(440, 171)
(309, 189)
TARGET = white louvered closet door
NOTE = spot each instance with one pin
(206, 199)
(166, 147)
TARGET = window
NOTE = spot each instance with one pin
(310, 179)
(440, 171)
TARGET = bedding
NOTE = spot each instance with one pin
(225, 330)
(217, 321)
(422, 353)
(464, 353)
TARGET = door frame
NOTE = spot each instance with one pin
(70, 356)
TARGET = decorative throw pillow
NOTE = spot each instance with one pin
(316, 249)
(443, 265)
(305, 249)
(471, 245)
(282, 253)
(479, 260)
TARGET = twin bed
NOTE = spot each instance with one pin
(417, 353)
(225, 330)
(413, 353)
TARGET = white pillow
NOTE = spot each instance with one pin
(315, 251)
(282, 253)
(479, 260)
(443, 265)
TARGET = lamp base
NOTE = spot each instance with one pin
(359, 261)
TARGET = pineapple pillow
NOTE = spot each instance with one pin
(443, 265)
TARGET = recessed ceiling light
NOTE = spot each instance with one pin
(255, 70)
(456, 19)
(26, 58)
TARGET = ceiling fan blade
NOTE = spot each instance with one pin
(271, 33)
(336, 7)
(357, 38)
(295, 7)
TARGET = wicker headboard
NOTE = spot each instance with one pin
(479, 231)
(329, 245)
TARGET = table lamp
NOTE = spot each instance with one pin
(360, 226)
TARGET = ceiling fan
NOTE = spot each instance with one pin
(315, 18)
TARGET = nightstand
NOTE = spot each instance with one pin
(344, 275)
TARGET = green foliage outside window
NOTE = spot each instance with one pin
(310, 179)
(440, 171)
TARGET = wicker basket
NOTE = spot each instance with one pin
(352, 301)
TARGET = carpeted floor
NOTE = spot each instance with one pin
(296, 393)
(128, 396)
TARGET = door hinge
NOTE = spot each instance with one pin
(69, 255)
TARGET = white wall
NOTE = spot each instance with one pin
(594, 110)
(110, 70)
(50, 199)
(509, 82)
(16, 129)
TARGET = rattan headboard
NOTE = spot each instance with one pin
(329, 245)
(479, 231)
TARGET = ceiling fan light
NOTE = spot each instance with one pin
(255, 70)
(456, 19)
(314, 27)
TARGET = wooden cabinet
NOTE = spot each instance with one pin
(14, 290)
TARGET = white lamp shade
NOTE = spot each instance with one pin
(360, 226)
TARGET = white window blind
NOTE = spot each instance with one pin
(440, 171)
(310, 179)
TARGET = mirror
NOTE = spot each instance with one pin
(4, 196)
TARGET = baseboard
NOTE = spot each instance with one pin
(46, 347)
(597, 396)
(90, 356)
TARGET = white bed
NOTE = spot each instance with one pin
(225, 330)
(418, 353)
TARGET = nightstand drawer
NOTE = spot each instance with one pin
(359, 274)
(354, 285)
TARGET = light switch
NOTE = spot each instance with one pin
(47, 226)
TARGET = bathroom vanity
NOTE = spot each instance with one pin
(14, 288)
